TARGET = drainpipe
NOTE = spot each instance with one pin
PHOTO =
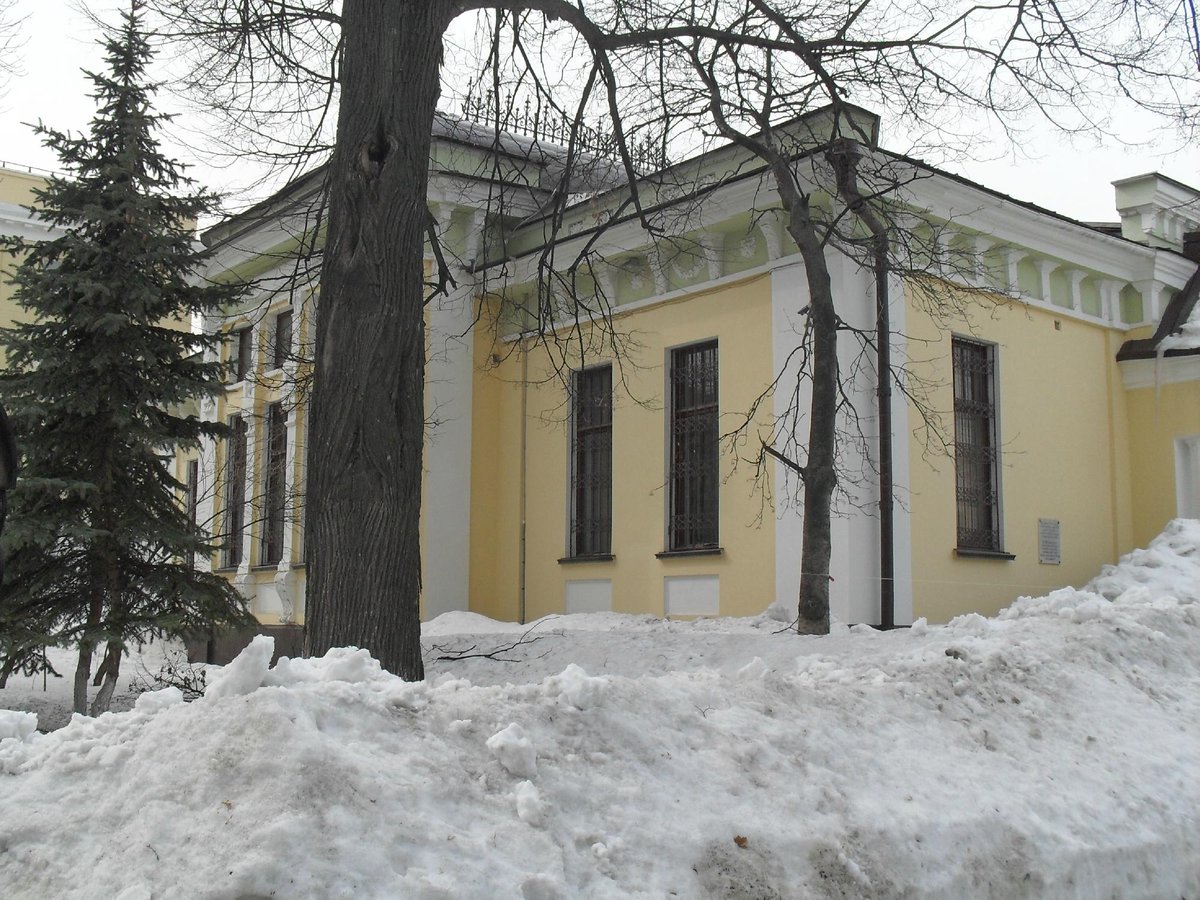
(883, 374)
(524, 456)
(845, 157)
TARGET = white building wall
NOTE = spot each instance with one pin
(854, 596)
(854, 564)
(789, 295)
(901, 488)
(447, 488)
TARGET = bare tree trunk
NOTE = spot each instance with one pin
(83, 670)
(367, 426)
(111, 667)
(820, 476)
(102, 669)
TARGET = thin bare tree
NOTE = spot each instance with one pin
(10, 42)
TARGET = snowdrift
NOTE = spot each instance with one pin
(1053, 751)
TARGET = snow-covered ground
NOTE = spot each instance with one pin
(51, 698)
(1053, 751)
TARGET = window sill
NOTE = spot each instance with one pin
(590, 558)
(265, 567)
(699, 551)
(225, 570)
(968, 553)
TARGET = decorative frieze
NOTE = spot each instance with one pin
(1075, 281)
(1045, 267)
(1012, 260)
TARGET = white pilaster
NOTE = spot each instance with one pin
(1110, 295)
(450, 370)
(779, 242)
(658, 269)
(608, 280)
(1075, 277)
(855, 563)
(979, 247)
(1013, 259)
(206, 484)
(284, 579)
(1045, 269)
(901, 484)
(941, 250)
(789, 294)
(242, 579)
(713, 246)
(1152, 305)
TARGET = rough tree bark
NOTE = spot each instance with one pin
(110, 669)
(83, 672)
(83, 667)
(367, 427)
(820, 475)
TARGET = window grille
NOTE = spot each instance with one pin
(591, 462)
(976, 453)
(694, 464)
(235, 490)
(192, 502)
(242, 359)
(274, 494)
(282, 347)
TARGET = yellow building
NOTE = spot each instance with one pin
(16, 193)
(1049, 419)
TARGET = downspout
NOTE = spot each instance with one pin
(845, 159)
(883, 375)
(524, 458)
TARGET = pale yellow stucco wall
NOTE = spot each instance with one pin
(1157, 416)
(15, 187)
(268, 386)
(739, 317)
(495, 483)
(1064, 456)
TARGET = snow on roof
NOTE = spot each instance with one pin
(1176, 334)
(1186, 335)
(1053, 751)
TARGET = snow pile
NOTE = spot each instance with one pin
(1170, 566)
(50, 698)
(1053, 751)
(15, 724)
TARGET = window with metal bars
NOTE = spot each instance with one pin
(241, 339)
(192, 502)
(976, 450)
(235, 491)
(282, 343)
(694, 476)
(591, 462)
(274, 494)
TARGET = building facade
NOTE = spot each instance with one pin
(16, 195)
(612, 461)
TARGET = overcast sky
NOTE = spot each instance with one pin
(1071, 179)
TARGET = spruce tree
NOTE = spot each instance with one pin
(96, 389)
